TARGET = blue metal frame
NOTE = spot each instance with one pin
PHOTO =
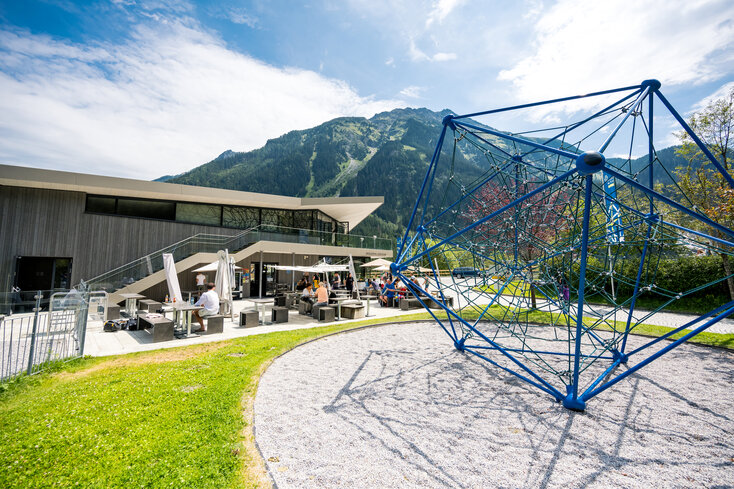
(582, 168)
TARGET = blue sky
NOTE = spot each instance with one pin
(142, 88)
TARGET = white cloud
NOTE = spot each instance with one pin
(412, 91)
(416, 54)
(239, 16)
(583, 46)
(441, 10)
(722, 92)
(390, 62)
(164, 102)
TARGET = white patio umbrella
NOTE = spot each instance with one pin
(378, 262)
(212, 267)
(223, 280)
(174, 289)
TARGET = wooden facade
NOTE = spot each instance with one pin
(53, 223)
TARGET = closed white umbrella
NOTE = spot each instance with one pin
(174, 289)
(222, 281)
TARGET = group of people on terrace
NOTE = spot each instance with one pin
(389, 290)
(316, 292)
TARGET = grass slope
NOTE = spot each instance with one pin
(171, 418)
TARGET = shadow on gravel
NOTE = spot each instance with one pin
(392, 398)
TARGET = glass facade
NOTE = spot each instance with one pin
(199, 213)
(228, 216)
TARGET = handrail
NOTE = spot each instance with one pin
(139, 268)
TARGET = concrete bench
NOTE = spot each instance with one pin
(412, 303)
(113, 312)
(352, 311)
(280, 314)
(249, 318)
(160, 327)
(433, 302)
(148, 305)
(214, 324)
(326, 314)
(304, 308)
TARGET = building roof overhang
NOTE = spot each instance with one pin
(345, 209)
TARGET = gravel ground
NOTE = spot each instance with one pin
(397, 406)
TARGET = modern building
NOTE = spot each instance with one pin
(59, 228)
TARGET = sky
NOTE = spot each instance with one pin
(145, 88)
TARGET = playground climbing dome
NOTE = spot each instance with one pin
(566, 228)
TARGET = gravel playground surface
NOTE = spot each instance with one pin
(397, 406)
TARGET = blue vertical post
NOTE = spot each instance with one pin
(651, 183)
(650, 150)
(571, 401)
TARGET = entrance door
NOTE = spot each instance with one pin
(266, 273)
(42, 273)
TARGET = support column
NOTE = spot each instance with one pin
(260, 282)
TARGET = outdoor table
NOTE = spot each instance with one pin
(262, 302)
(367, 300)
(292, 296)
(131, 303)
(187, 308)
(339, 301)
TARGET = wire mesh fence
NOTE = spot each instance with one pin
(31, 341)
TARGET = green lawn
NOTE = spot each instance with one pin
(169, 418)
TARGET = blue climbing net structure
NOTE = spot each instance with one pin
(551, 242)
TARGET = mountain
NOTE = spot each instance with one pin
(387, 155)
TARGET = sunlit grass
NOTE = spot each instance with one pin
(169, 418)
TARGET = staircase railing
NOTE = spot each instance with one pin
(211, 243)
(153, 262)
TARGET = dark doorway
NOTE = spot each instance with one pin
(42, 273)
(265, 272)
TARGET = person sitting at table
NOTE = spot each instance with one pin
(374, 286)
(307, 297)
(301, 284)
(210, 301)
(388, 294)
(322, 295)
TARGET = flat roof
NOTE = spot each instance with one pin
(346, 209)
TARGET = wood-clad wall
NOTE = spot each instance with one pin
(52, 223)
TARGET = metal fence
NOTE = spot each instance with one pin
(31, 341)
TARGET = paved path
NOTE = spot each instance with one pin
(99, 343)
(397, 406)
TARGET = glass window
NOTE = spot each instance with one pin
(199, 213)
(270, 217)
(103, 205)
(241, 217)
(303, 219)
(277, 217)
(151, 209)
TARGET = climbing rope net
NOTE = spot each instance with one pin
(550, 243)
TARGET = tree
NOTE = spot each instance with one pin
(522, 235)
(703, 184)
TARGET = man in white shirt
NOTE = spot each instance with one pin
(210, 301)
(200, 281)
